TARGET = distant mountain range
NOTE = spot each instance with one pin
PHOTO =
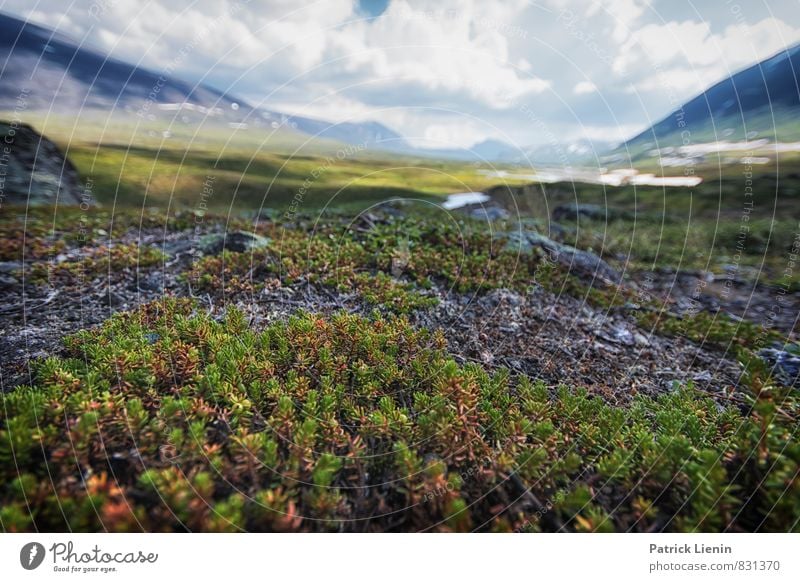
(53, 72)
(760, 102)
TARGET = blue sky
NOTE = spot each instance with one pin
(447, 73)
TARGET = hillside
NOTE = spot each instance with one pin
(759, 102)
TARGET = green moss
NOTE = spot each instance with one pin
(166, 419)
(403, 265)
(741, 339)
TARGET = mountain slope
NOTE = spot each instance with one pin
(57, 73)
(51, 71)
(760, 101)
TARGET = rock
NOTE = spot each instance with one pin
(37, 172)
(7, 281)
(623, 336)
(499, 297)
(393, 210)
(112, 299)
(11, 267)
(151, 282)
(181, 246)
(238, 242)
(604, 347)
(489, 213)
(367, 221)
(785, 365)
(548, 228)
(580, 262)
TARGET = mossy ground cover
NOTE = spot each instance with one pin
(402, 265)
(715, 226)
(167, 419)
(173, 416)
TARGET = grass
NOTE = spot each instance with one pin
(130, 164)
(167, 419)
(402, 265)
(709, 227)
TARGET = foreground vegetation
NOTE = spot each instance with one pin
(184, 414)
(742, 219)
(167, 419)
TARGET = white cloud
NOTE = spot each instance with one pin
(451, 135)
(608, 133)
(450, 70)
(687, 56)
(625, 14)
(584, 88)
(455, 48)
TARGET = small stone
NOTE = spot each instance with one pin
(785, 365)
(7, 280)
(237, 242)
(623, 336)
(490, 213)
(112, 299)
(591, 211)
(500, 297)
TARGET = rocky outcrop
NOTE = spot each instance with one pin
(33, 170)
(785, 365)
(583, 263)
(489, 213)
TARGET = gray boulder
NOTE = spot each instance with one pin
(583, 263)
(785, 365)
(489, 213)
(33, 170)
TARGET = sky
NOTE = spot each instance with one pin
(444, 73)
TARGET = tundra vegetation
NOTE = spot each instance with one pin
(186, 412)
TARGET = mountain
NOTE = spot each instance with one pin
(762, 101)
(492, 149)
(578, 152)
(46, 70)
(50, 70)
(370, 133)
